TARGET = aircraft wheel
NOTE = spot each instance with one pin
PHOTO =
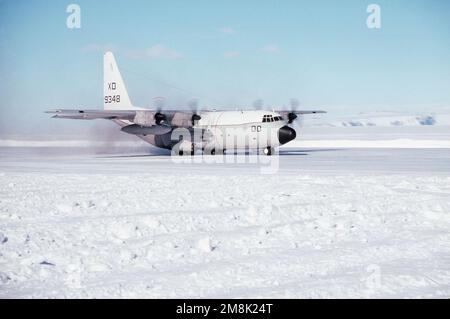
(268, 151)
(191, 152)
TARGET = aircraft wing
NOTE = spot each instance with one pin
(284, 112)
(139, 116)
(309, 112)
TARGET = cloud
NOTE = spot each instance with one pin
(157, 51)
(227, 30)
(271, 48)
(231, 54)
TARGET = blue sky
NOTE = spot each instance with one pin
(225, 53)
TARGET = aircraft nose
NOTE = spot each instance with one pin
(286, 134)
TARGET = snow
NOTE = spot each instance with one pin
(356, 143)
(332, 222)
(328, 141)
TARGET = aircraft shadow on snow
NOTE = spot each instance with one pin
(291, 152)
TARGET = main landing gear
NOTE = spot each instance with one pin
(191, 152)
(268, 151)
(213, 152)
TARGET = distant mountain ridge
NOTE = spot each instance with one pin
(384, 120)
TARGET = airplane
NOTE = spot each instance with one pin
(185, 132)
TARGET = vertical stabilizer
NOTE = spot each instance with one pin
(115, 94)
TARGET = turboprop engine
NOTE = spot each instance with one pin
(147, 123)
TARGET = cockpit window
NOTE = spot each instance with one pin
(271, 118)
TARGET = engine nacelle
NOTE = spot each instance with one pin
(136, 129)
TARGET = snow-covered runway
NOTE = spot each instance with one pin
(329, 223)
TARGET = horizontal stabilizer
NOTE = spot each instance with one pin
(93, 114)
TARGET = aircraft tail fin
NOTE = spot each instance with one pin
(114, 91)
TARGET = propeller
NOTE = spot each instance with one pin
(193, 105)
(159, 117)
(258, 104)
(159, 102)
(294, 104)
(291, 117)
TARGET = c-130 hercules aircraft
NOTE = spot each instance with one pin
(184, 132)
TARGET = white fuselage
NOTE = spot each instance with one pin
(240, 129)
(227, 130)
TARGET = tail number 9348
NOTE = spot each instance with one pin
(112, 98)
